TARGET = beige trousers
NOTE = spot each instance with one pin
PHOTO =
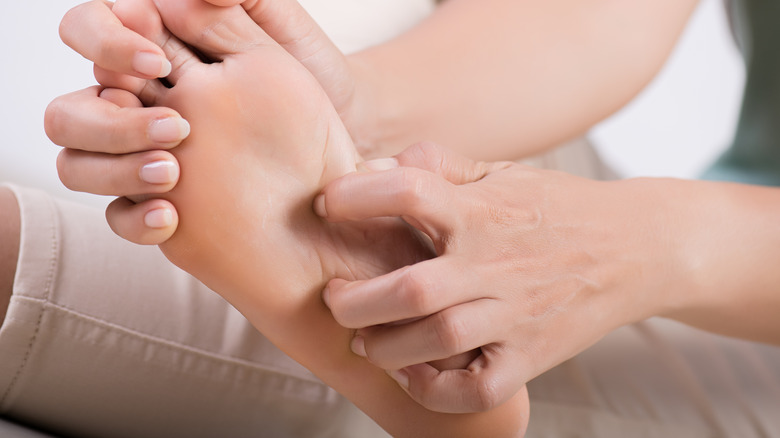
(107, 339)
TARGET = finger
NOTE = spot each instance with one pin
(150, 222)
(121, 98)
(487, 382)
(147, 91)
(453, 167)
(445, 334)
(93, 30)
(420, 197)
(225, 3)
(85, 121)
(216, 32)
(118, 175)
(411, 292)
(142, 17)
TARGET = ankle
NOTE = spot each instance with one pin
(10, 230)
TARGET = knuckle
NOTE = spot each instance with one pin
(448, 334)
(411, 188)
(418, 292)
(427, 153)
(487, 395)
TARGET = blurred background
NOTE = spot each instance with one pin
(674, 128)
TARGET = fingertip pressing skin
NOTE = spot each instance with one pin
(159, 172)
(225, 3)
(150, 222)
(319, 206)
(168, 130)
(118, 49)
(152, 64)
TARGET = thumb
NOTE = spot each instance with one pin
(451, 166)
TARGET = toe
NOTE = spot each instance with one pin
(217, 32)
(143, 17)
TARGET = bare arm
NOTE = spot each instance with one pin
(502, 79)
(535, 265)
(731, 244)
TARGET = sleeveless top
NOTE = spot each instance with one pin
(754, 156)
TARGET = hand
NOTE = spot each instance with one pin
(115, 146)
(254, 161)
(533, 266)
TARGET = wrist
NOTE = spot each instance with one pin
(663, 216)
(730, 251)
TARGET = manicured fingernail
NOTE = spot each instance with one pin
(358, 346)
(319, 206)
(159, 218)
(159, 172)
(151, 64)
(326, 297)
(169, 130)
(400, 377)
(378, 165)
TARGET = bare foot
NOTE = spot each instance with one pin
(10, 229)
(265, 139)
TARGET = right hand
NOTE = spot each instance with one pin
(115, 139)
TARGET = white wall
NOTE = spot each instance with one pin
(672, 129)
(688, 114)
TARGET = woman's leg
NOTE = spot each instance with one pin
(659, 378)
(106, 338)
(9, 246)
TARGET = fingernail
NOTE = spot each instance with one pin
(326, 297)
(159, 172)
(358, 346)
(378, 165)
(400, 377)
(319, 206)
(151, 64)
(159, 218)
(169, 130)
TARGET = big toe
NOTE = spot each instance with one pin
(216, 31)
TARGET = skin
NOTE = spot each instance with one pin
(394, 94)
(9, 251)
(257, 156)
(555, 262)
(520, 111)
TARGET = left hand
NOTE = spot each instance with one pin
(533, 266)
(123, 109)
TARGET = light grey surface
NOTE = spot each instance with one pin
(13, 430)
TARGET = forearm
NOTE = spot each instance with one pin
(731, 251)
(503, 79)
